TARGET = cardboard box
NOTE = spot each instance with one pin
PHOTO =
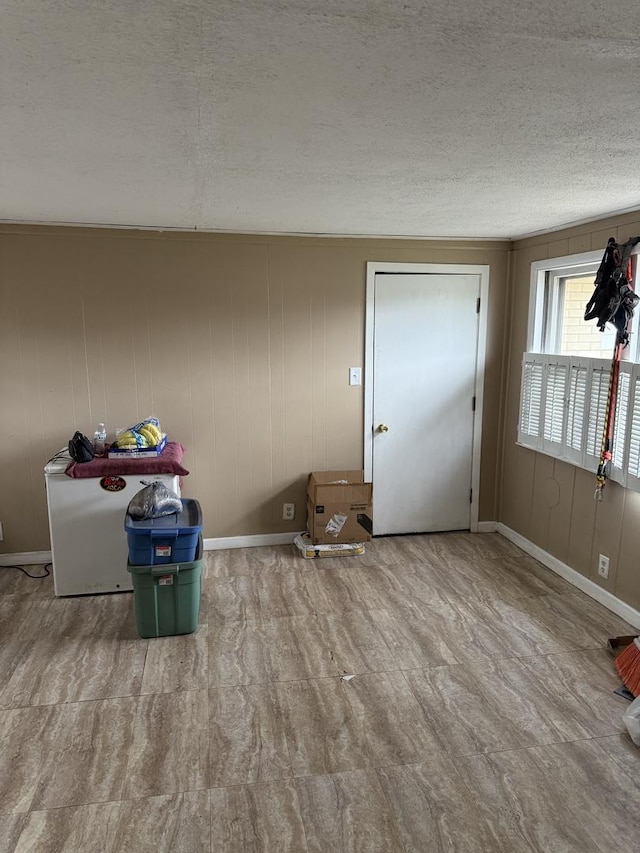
(339, 507)
(311, 552)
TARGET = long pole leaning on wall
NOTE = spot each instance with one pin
(613, 301)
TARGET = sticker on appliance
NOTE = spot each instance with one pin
(113, 484)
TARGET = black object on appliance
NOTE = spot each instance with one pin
(81, 448)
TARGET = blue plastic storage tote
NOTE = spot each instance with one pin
(170, 539)
(167, 598)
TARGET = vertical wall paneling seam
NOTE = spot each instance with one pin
(71, 375)
(326, 406)
(23, 388)
(252, 454)
(256, 402)
(552, 507)
(319, 403)
(548, 509)
(189, 379)
(622, 516)
(151, 382)
(36, 350)
(134, 361)
(270, 373)
(283, 421)
(101, 415)
(504, 382)
(214, 522)
(191, 437)
(43, 443)
(572, 522)
(310, 362)
(234, 356)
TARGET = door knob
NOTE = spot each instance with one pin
(383, 428)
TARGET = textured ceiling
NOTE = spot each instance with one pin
(466, 118)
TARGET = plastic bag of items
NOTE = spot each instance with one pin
(147, 433)
(154, 501)
(335, 524)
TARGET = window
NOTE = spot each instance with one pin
(573, 335)
(560, 290)
(566, 374)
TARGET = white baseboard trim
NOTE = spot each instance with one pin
(625, 611)
(224, 542)
(611, 602)
(33, 558)
(486, 527)
(26, 558)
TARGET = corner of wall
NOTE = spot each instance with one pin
(504, 380)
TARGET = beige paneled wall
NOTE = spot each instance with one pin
(547, 501)
(240, 345)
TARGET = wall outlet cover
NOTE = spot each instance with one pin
(603, 566)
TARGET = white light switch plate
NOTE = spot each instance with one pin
(355, 376)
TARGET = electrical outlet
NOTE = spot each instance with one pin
(288, 512)
(603, 566)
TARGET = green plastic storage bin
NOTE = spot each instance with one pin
(167, 597)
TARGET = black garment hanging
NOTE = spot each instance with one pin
(613, 298)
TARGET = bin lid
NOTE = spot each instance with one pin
(187, 521)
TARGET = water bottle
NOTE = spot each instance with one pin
(100, 440)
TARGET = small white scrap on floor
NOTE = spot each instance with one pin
(346, 677)
(631, 719)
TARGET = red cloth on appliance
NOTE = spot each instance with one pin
(169, 462)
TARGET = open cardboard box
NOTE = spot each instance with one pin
(339, 507)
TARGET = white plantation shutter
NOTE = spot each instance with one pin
(531, 399)
(555, 408)
(576, 410)
(617, 470)
(598, 392)
(633, 426)
(563, 408)
(563, 403)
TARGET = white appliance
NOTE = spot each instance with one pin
(86, 526)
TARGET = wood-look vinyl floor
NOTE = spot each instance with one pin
(481, 715)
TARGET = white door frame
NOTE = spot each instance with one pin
(482, 270)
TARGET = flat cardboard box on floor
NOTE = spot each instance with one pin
(337, 549)
(328, 496)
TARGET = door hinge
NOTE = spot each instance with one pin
(478, 305)
(470, 496)
(473, 404)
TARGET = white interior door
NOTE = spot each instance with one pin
(425, 344)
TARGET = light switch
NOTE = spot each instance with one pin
(355, 376)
